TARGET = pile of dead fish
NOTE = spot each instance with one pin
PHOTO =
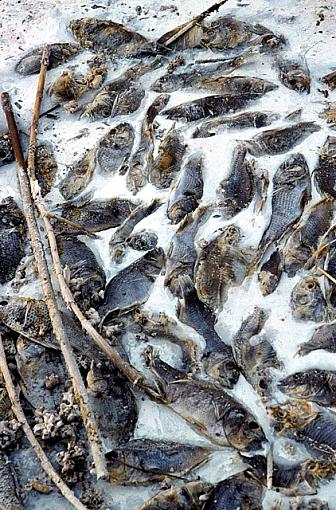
(299, 239)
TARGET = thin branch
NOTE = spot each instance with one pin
(80, 230)
(20, 416)
(47, 289)
(327, 275)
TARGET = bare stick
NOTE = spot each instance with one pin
(76, 226)
(327, 275)
(194, 21)
(20, 416)
(48, 293)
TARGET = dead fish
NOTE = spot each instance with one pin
(270, 274)
(297, 479)
(98, 215)
(142, 159)
(330, 80)
(168, 162)
(143, 461)
(239, 121)
(12, 238)
(45, 167)
(255, 358)
(221, 264)
(236, 192)
(291, 191)
(143, 240)
(59, 53)
(67, 87)
(324, 337)
(118, 241)
(295, 75)
(209, 106)
(314, 429)
(42, 374)
(86, 276)
(302, 243)
(280, 140)
(79, 175)
(217, 357)
(6, 149)
(307, 301)
(235, 493)
(114, 38)
(181, 256)
(10, 498)
(329, 114)
(189, 496)
(324, 173)
(208, 409)
(315, 385)
(313, 504)
(113, 403)
(29, 317)
(115, 149)
(122, 95)
(132, 285)
(188, 190)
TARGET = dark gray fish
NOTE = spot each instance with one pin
(208, 409)
(97, 215)
(221, 264)
(86, 276)
(79, 175)
(113, 404)
(188, 190)
(42, 374)
(181, 256)
(237, 492)
(307, 301)
(255, 359)
(6, 149)
(280, 140)
(45, 167)
(144, 461)
(316, 430)
(131, 287)
(330, 80)
(324, 337)
(302, 243)
(291, 191)
(143, 240)
(114, 38)
(295, 75)
(239, 121)
(209, 106)
(189, 496)
(122, 95)
(315, 385)
(115, 149)
(167, 164)
(270, 273)
(30, 63)
(142, 159)
(217, 356)
(325, 172)
(236, 192)
(12, 238)
(118, 242)
(10, 498)
(297, 479)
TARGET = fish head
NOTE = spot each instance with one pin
(96, 381)
(242, 430)
(222, 368)
(315, 470)
(291, 415)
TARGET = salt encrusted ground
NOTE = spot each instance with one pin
(25, 24)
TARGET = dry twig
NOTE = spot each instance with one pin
(42, 267)
(20, 416)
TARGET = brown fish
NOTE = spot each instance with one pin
(168, 162)
(239, 121)
(307, 300)
(330, 80)
(10, 498)
(270, 273)
(79, 175)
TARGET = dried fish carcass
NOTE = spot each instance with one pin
(291, 191)
(239, 121)
(270, 273)
(115, 148)
(167, 164)
(45, 167)
(324, 337)
(6, 149)
(59, 53)
(79, 175)
(188, 190)
(325, 172)
(330, 80)
(307, 301)
(236, 492)
(188, 496)
(315, 385)
(295, 75)
(12, 238)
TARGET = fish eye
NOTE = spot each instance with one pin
(311, 285)
(263, 384)
(281, 414)
(3, 302)
(230, 365)
(253, 425)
